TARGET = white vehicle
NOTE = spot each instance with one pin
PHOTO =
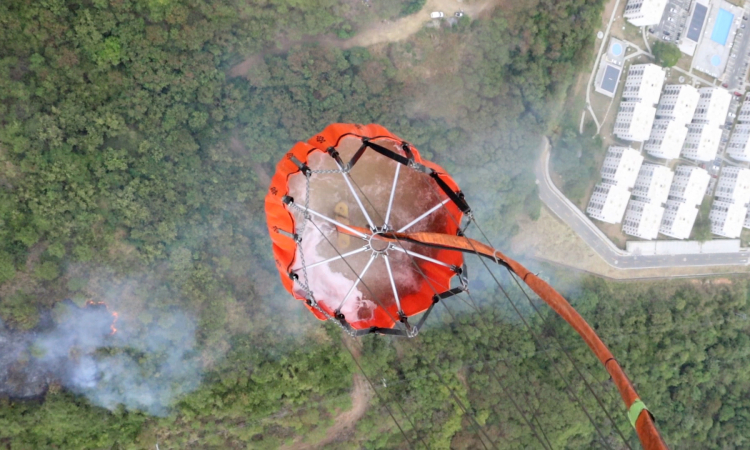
(436, 14)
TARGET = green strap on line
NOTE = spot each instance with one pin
(635, 411)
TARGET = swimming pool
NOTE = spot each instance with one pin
(723, 23)
(616, 49)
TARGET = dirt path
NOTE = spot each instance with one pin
(361, 395)
(404, 27)
(389, 31)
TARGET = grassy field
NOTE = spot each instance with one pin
(551, 240)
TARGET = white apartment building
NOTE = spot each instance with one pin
(689, 185)
(734, 186)
(608, 203)
(643, 84)
(713, 106)
(634, 121)
(727, 218)
(739, 144)
(621, 166)
(666, 139)
(678, 103)
(643, 13)
(678, 220)
(702, 141)
(652, 184)
(744, 115)
(642, 219)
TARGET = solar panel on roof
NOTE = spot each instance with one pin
(609, 82)
(696, 23)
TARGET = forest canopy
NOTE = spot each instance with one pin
(134, 171)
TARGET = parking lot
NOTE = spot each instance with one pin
(672, 22)
(734, 74)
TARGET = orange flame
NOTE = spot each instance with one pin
(115, 315)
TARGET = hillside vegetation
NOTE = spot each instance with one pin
(134, 171)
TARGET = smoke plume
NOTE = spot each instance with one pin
(144, 369)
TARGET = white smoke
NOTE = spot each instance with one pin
(144, 369)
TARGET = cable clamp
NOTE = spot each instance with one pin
(635, 410)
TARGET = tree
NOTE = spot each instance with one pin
(666, 54)
(702, 228)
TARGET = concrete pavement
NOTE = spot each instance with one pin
(597, 240)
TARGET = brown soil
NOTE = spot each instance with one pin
(551, 240)
(390, 31)
(361, 395)
(398, 30)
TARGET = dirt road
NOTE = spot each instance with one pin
(392, 31)
(406, 26)
(361, 395)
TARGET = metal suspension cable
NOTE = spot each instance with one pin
(642, 422)
(475, 424)
(494, 374)
(570, 391)
(381, 305)
(528, 327)
(424, 276)
(559, 343)
(502, 386)
(513, 358)
(569, 357)
(372, 386)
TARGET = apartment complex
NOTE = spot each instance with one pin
(727, 218)
(621, 166)
(734, 185)
(673, 113)
(713, 106)
(608, 203)
(689, 185)
(704, 133)
(678, 219)
(634, 121)
(652, 184)
(678, 102)
(643, 84)
(644, 213)
(666, 139)
(739, 144)
(635, 116)
(732, 197)
(701, 142)
(686, 193)
(644, 12)
(642, 219)
(744, 115)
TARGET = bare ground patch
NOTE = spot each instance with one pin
(551, 240)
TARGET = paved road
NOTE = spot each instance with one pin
(734, 75)
(615, 257)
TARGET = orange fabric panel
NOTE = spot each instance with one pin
(284, 248)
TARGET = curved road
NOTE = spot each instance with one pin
(615, 257)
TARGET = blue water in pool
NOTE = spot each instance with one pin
(616, 49)
(723, 23)
(715, 61)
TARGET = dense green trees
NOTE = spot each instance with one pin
(682, 343)
(134, 170)
(574, 158)
(666, 54)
